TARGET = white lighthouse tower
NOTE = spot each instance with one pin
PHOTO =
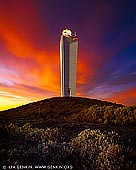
(68, 62)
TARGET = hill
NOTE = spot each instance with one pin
(79, 133)
(51, 110)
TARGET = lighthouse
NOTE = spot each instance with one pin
(68, 62)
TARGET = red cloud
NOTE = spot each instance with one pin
(21, 31)
(127, 97)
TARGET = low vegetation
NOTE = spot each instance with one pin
(54, 110)
(90, 149)
(84, 134)
(125, 115)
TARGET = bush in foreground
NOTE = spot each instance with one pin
(91, 149)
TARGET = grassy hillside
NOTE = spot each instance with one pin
(80, 133)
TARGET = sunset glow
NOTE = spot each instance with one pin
(29, 50)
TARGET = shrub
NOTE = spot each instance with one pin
(91, 149)
(106, 114)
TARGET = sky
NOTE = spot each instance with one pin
(29, 49)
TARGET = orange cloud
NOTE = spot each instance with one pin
(45, 73)
(127, 97)
(18, 32)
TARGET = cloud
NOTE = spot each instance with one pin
(29, 48)
(117, 76)
(127, 97)
(26, 57)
